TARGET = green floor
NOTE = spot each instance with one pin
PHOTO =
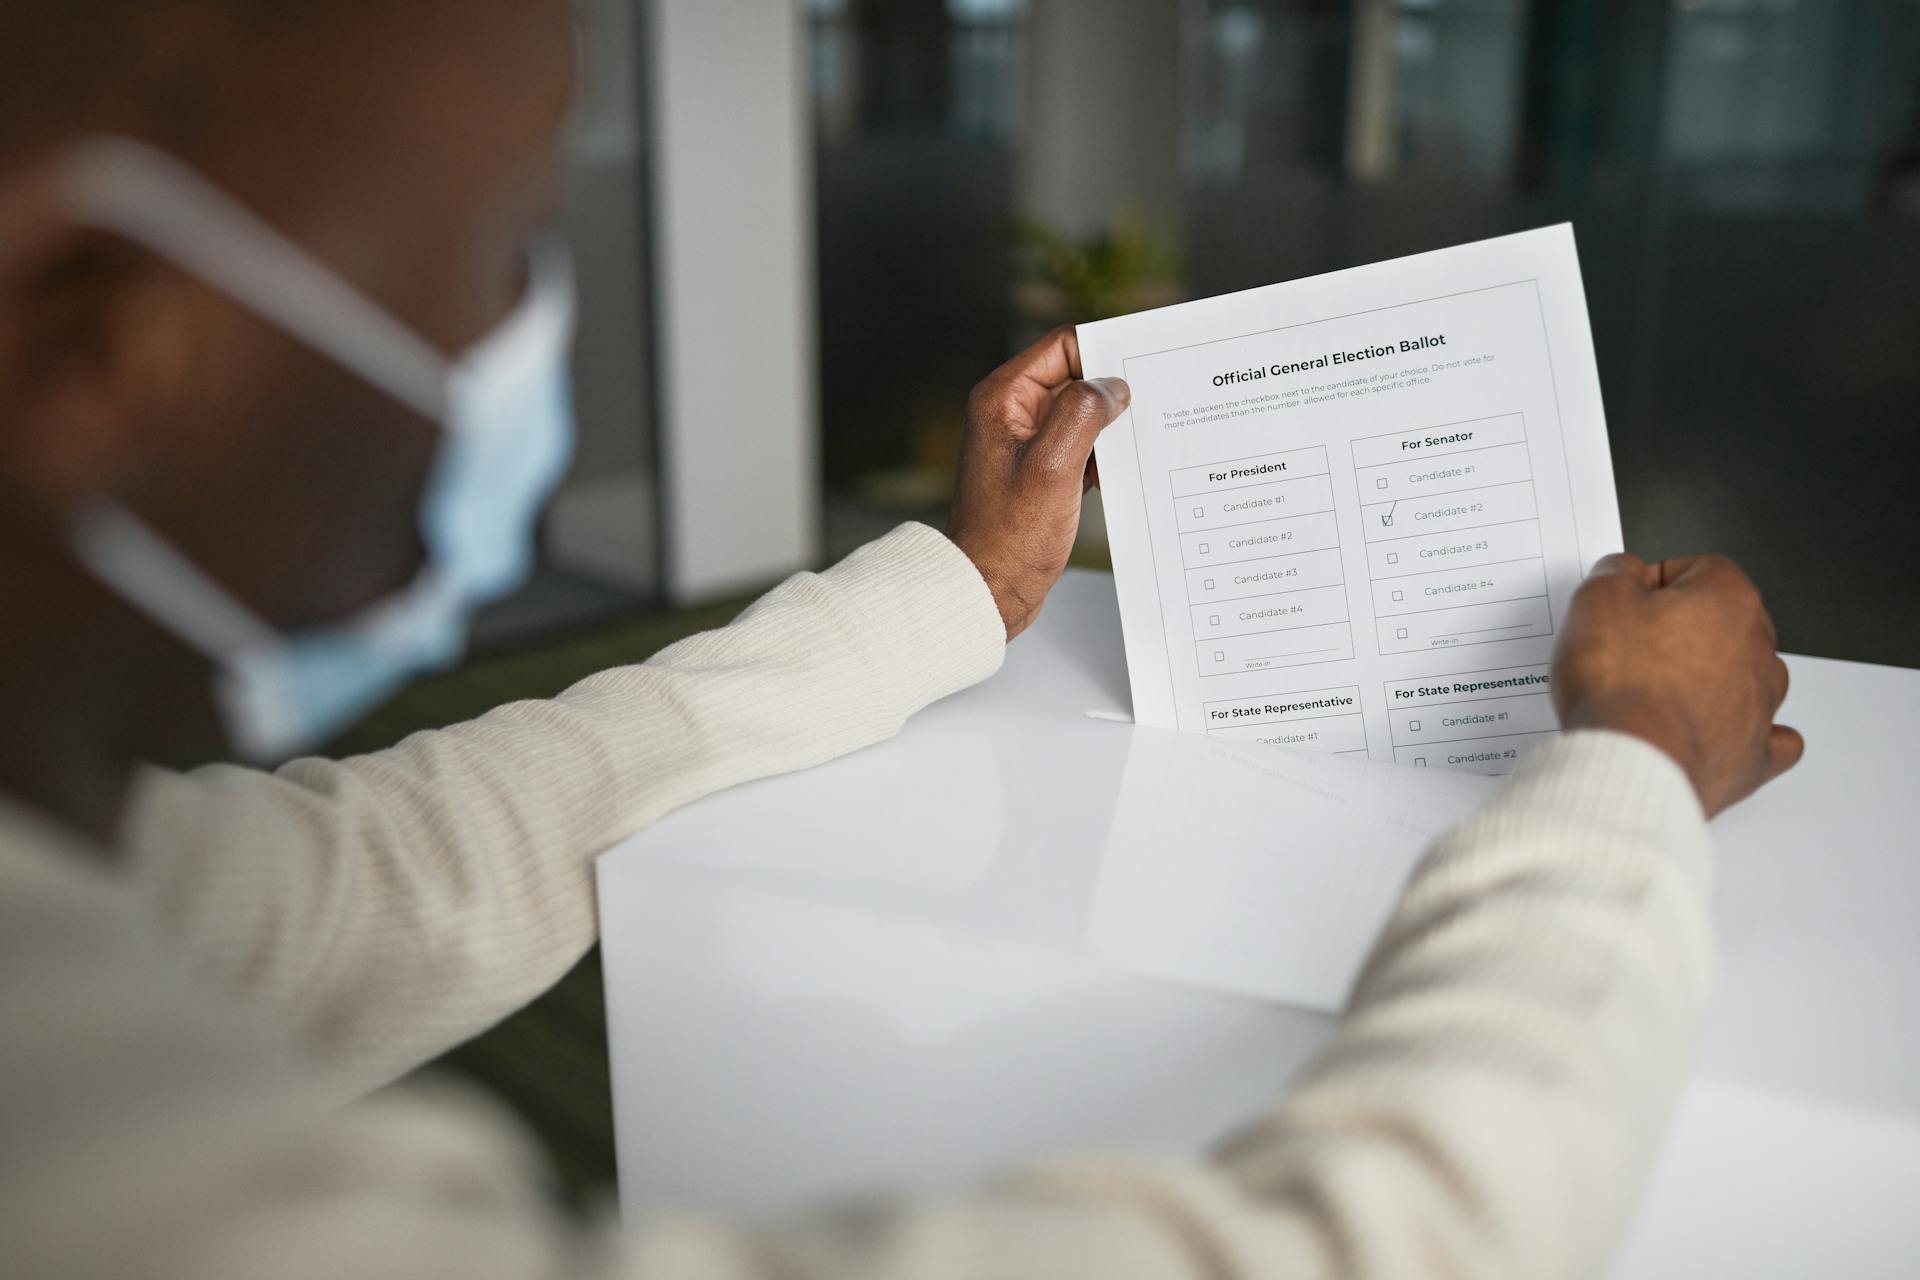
(549, 1062)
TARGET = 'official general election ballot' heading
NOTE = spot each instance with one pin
(1404, 347)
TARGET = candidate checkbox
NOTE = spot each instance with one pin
(1219, 655)
(1199, 513)
(1381, 483)
(1214, 621)
(1207, 585)
(1398, 596)
(1204, 548)
(1387, 521)
(1401, 634)
(1413, 726)
(1421, 761)
(1393, 557)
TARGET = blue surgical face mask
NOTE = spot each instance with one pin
(507, 436)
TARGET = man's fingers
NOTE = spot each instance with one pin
(1049, 364)
(1703, 570)
(1619, 562)
(1785, 746)
(1621, 571)
(1622, 564)
(1079, 414)
(1780, 752)
(1669, 573)
(1022, 390)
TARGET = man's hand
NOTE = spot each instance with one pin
(1025, 465)
(1681, 654)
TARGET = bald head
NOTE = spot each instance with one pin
(173, 71)
(412, 148)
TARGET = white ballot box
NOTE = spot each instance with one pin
(1017, 929)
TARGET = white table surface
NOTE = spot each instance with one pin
(878, 980)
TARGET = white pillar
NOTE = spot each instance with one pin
(1101, 130)
(604, 524)
(1370, 149)
(1103, 110)
(734, 310)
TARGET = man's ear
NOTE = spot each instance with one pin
(75, 348)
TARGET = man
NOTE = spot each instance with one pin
(251, 482)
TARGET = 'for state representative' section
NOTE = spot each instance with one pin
(1326, 720)
(1481, 721)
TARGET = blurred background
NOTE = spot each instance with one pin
(807, 228)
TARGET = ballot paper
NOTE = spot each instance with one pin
(1348, 513)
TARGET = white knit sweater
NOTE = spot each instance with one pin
(181, 1025)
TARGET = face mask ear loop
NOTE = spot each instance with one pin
(170, 589)
(133, 190)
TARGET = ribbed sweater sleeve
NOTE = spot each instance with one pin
(1488, 1106)
(393, 905)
